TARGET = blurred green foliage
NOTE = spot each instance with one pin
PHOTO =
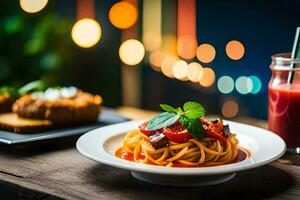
(33, 46)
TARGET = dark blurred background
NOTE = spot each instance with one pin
(39, 46)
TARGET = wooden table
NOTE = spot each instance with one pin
(55, 170)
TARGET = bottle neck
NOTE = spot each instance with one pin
(283, 62)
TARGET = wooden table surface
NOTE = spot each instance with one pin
(55, 170)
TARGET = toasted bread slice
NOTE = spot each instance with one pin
(6, 101)
(83, 107)
(12, 122)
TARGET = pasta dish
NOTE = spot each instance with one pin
(178, 139)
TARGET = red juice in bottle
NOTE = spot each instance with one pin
(284, 112)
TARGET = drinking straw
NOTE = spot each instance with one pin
(295, 54)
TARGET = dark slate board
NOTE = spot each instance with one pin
(107, 117)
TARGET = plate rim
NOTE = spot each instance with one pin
(113, 161)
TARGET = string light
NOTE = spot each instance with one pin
(230, 109)
(123, 15)
(33, 6)
(225, 84)
(244, 85)
(235, 50)
(86, 32)
(132, 52)
(194, 72)
(180, 70)
(208, 77)
(206, 53)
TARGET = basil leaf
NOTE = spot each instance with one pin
(168, 108)
(193, 110)
(179, 110)
(193, 126)
(162, 120)
(32, 86)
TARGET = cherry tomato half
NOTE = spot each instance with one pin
(143, 129)
(213, 134)
(177, 133)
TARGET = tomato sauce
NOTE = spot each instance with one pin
(121, 153)
(283, 112)
(242, 155)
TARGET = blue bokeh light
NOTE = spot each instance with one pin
(244, 85)
(225, 84)
(256, 84)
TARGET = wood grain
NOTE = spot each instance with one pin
(56, 170)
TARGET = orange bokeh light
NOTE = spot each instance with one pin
(195, 72)
(208, 77)
(180, 70)
(123, 15)
(156, 58)
(235, 50)
(167, 66)
(186, 29)
(230, 109)
(187, 47)
(206, 53)
(169, 43)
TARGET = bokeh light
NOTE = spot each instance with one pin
(225, 84)
(33, 6)
(235, 50)
(86, 32)
(167, 66)
(123, 15)
(186, 29)
(208, 77)
(180, 70)
(132, 52)
(206, 53)
(169, 44)
(187, 47)
(156, 58)
(244, 85)
(152, 41)
(256, 84)
(194, 72)
(152, 24)
(230, 109)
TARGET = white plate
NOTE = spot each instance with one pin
(100, 145)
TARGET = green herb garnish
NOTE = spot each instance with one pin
(162, 120)
(189, 116)
(193, 126)
(31, 87)
(168, 108)
(193, 110)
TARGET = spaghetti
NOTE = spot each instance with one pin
(182, 137)
(193, 153)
